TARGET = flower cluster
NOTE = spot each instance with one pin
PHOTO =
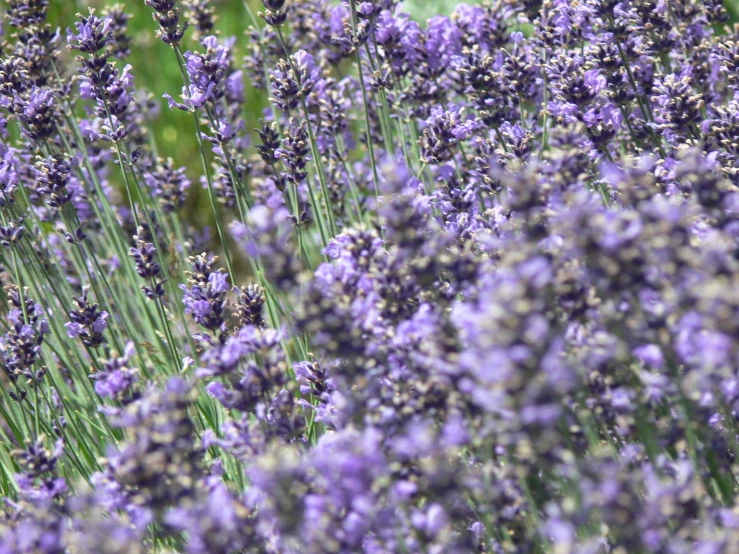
(470, 286)
(87, 322)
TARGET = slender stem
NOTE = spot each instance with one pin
(545, 106)
(206, 172)
(367, 122)
(331, 226)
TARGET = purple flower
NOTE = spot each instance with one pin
(9, 176)
(650, 355)
(445, 128)
(193, 98)
(293, 80)
(92, 35)
(205, 297)
(36, 112)
(168, 184)
(117, 378)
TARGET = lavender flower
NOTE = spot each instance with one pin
(9, 176)
(170, 185)
(22, 343)
(481, 291)
(117, 378)
(39, 480)
(167, 15)
(275, 14)
(144, 254)
(92, 34)
(294, 154)
(444, 130)
(26, 13)
(293, 80)
(678, 106)
(36, 112)
(205, 298)
(119, 43)
(250, 306)
(217, 523)
(52, 177)
(271, 238)
(206, 72)
(87, 322)
(162, 463)
(202, 17)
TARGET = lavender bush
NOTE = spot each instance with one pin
(471, 285)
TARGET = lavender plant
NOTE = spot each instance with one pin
(473, 282)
